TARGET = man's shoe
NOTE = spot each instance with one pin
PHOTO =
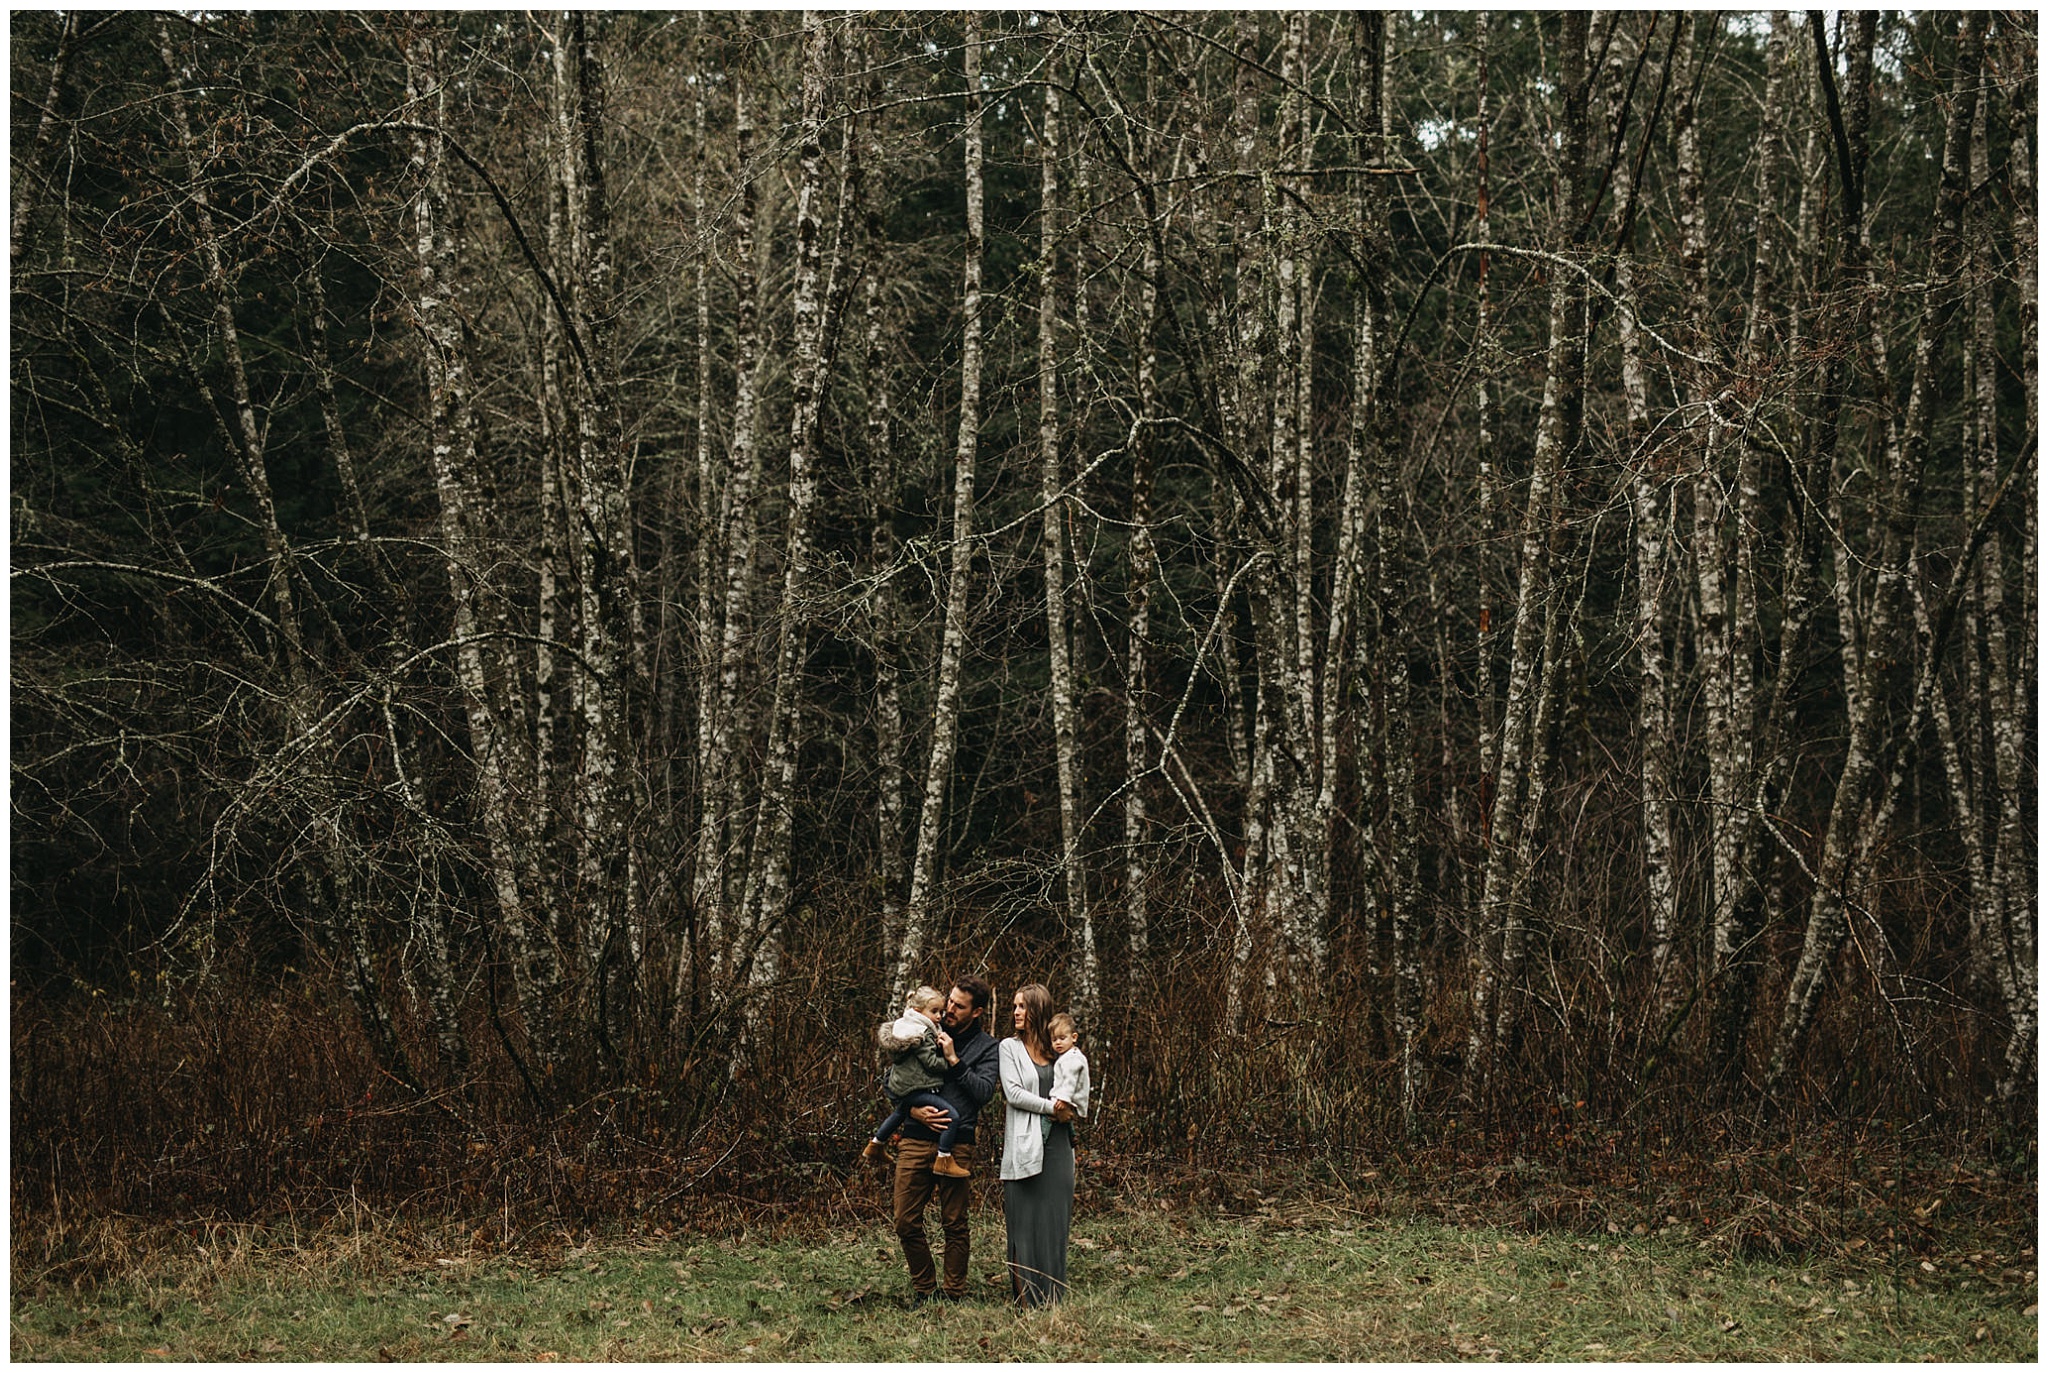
(874, 1151)
(920, 1300)
(946, 1166)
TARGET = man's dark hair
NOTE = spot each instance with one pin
(978, 991)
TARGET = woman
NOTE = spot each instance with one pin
(1038, 1162)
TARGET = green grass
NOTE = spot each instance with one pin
(1149, 1285)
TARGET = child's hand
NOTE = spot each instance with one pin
(946, 1046)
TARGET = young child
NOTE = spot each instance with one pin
(1069, 1070)
(919, 1053)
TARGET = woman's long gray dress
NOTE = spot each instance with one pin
(1037, 1212)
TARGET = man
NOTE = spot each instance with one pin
(968, 1084)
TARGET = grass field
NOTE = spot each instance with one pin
(1298, 1283)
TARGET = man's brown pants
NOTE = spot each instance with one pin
(915, 1184)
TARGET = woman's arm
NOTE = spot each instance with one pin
(1020, 1080)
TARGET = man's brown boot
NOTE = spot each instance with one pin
(947, 1167)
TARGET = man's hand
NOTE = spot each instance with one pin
(931, 1117)
(946, 1046)
(1062, 1110)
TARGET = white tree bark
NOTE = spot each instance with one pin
(946, 693)
(1371, 457)
(601, 532)
(1143, 558)
(718, 840)
(1714, 518)
(1486, 344)
(1052, 545)
(1650, 499)
(29, 175)
(884, 609)
(1243, 435)
(1727, 516)
(1295, 889)
(2016, 940)
(694, 948)
(1983, 753)
(815, 312)
(1532, 657)
(553, 615)
(452, 442)
(1872, 731)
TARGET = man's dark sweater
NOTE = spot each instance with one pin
(969, 1083)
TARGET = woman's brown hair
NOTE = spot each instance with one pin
(1037, 1016)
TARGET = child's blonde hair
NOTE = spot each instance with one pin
(924, 998)
(1065, 1022)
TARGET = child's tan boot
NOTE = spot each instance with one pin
(946, 1166)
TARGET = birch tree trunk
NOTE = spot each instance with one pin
(451, 428)
(1983, 755)
(554, 616)
(1080, 924)
(1282, 847)
(712, 890)
(1143, 558)
(607, 598)
(1884, 657)
(1243, 434)
(694, 948)
(1833, 333)
(1295, 888)
(1532, 657)
(1727, 509)
(1371, 458)
(30, 177)
(1718, 622)
(884, 608)
(1486, 345)
(2014, 938)
(1650, 500)
(816, 313)
(946, 692)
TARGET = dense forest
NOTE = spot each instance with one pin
(1428, 572)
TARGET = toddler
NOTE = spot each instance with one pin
(919, 1053)
(1069, 1070)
